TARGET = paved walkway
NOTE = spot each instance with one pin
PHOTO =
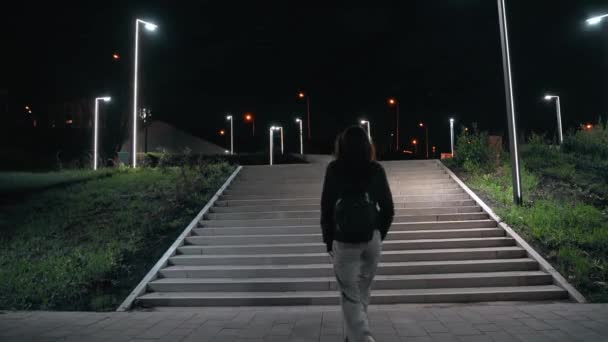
(495, 322)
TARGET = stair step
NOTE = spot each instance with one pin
(463, 295)
(316, 258)
(326, 269)
(402, 205)
(317, 213)
(265, 193)
(381, 282)
(317, 200)
(313, 221)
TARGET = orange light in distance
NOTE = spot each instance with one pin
(589, 126)
(115, 56)
(415, 142)
(222, 132)
(248, 117)
(392, 101)
(421, 124)
(301, 95)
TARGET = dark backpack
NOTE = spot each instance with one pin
(356, 217)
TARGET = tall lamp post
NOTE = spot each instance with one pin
(282, 139)
(426, 139)
(304, 96)
(250, 118)
(452, 135)
(560, 132)
(394, 103)
(271, 135)
(150, 27)
(299, 122)
(369, 130)
(512, 123)
(229, 118)
(96, 129)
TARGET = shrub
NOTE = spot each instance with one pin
(472, 152)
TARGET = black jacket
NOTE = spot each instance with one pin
(340, 177)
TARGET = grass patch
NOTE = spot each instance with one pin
(22, 182)
(564, 213)
(86, 245)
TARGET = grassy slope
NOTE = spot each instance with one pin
(564, 212)
(86, 245)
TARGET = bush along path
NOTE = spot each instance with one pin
(86, 245)
(565, 193)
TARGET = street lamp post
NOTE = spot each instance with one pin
(281, 129)
(150, 27)
(271, 135)
(96, 129)
(512, 123)
(426, 140)
(306, 97)
(393, 102)
(452, 135)
(229, 118)
(369, 129)
(299, 122)
(560, 132)
(250, 118)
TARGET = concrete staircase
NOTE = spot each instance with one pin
(261, 245)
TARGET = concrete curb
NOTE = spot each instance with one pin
(558, 279)
(162, 262)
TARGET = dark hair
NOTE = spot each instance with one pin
(353, 146)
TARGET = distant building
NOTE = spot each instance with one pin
(162, 136)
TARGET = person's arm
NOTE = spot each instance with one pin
(328, 202)
(385, 202)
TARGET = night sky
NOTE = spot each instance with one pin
(440, 58)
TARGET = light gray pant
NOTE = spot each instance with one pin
(355, 267)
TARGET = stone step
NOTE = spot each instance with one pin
(326, 269)
(494, 237)
(285, 222)
(275, 239)
(275, 214)
(318, 183)
(381, 282)
(403, 205)
(236, 195)
(313, 229)
(442, 295)
(316, 258)
(286, 191)
(316, 200)
(312, 193)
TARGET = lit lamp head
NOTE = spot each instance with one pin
(421, 124)
(229, 117)
(392, 101)
(106, 99)
(596, 20)
(298, 120)
(451, 120)
(549, 97)
(150, 27)
(301, 95)
(364, 122)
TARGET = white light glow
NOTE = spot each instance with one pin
(596, 20)
(95, 128)
(229, 117)
(150, 27)
(550, 97)
(298, 120)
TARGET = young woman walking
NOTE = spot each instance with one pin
(356, 213)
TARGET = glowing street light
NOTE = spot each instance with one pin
(271, 131)
(299, 122)
(452, 135)
(250, 118)
(302, 96)
(426, 140)
(150, 27)
(394, 103)
(369, 130)
(512, 123)
(596, 20)
(229, 118)
(95, 128)
(559, 116)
